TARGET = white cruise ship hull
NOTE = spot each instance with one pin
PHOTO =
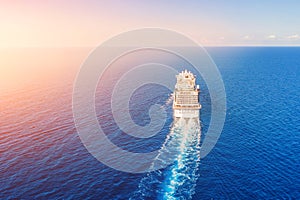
(186, 97)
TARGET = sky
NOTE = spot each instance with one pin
(65, 23)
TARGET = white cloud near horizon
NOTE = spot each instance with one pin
(246, 37)
(295, 36)
(272, 36)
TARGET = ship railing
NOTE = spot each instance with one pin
(187, 106)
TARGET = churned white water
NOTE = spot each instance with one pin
(178, 180)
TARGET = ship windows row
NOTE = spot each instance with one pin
(180, 99)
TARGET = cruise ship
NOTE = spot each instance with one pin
(186, 97)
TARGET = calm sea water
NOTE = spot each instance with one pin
(256, 157)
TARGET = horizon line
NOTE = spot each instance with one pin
(90, 46)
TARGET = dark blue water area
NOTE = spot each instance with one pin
(140, 102)
(256, 156)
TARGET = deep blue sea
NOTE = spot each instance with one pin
(256, 156)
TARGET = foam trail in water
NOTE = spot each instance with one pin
(178, 180)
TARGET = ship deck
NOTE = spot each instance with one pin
(182, 107)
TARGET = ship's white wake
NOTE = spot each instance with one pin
(178, 180)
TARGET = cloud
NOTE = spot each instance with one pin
(246, 37)
(296, 36)
(272, 36)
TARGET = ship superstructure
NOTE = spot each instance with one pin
(186, 96)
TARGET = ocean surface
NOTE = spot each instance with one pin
(256, 156)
